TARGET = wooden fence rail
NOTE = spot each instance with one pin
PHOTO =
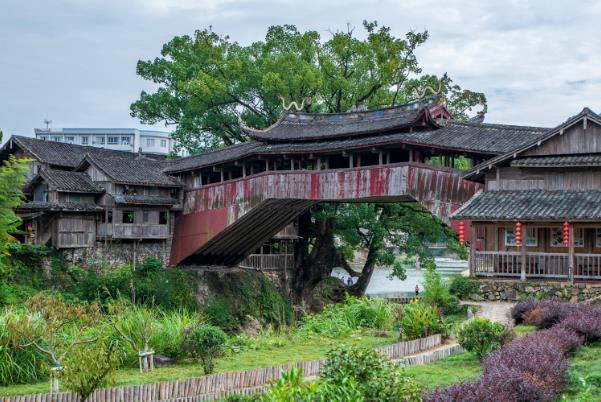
(215, 386)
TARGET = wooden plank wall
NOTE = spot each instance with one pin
(215, 386)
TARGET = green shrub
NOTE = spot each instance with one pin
(18, 365)
(420, 320)
(340, 319)
(481, 336)
(436, 292)
(205, 343)
(463, 287)
(377, 378)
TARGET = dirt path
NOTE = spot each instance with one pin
(495, 311)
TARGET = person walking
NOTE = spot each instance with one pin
(416, 290)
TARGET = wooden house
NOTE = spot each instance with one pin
(539, 215)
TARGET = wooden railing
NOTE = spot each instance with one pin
(133, 231)
(588, 266)
(536, 265)
(268, 261)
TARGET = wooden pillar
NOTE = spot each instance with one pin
(318, 163)
(358, 160)
(350, 161)
(387, 157)
(523, 255)
(410, 155)
(571, 254)
(380, 158)
(243, 169)
(267, 165)
(472, 260)
(221, 174)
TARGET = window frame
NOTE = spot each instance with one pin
(85, 140)
(577, 241)
(128, 213)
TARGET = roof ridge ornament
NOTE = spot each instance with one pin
(305, 100)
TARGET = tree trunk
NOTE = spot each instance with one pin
(359, 288)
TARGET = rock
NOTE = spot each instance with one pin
(163, 361)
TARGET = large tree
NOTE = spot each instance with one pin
(209, 84)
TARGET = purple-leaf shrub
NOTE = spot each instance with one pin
(562, 338)
(518, 311)
(586, 321)
(552, 313)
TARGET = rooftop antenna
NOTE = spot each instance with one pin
(47, 123)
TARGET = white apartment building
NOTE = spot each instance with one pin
(120, 139)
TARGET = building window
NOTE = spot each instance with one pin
(113, 140)
(145, 216)
(162, 218)
(557, 237)
(128, 217)
(150, 142)
(163, 143)
(531, 237)
(70, 140)
(598, 237)
(76, 198)
(43, 137)
(108, 217)
(100, 140)
(84, 140)
(125, 140)
(55, 138)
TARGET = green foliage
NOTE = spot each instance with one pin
(206, 82)
(340, 319)
(436, 292)
(463, 287)
(205, 343)
(420, 320)
(89, 367)
(481, 336)
(377, 377)
(12, 180)
(237, 297)
(18, 365)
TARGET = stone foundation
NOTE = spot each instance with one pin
(512, 290)
(117, 253)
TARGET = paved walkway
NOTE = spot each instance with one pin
(494, 311)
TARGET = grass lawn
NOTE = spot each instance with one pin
(585, 374)
(450, 370)
(312, 349)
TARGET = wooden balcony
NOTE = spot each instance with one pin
(268, 262)
(536, 265)
(133, 231)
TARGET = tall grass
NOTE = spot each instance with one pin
(340, 319)
(18, 365)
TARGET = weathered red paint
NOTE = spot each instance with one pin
(210, 209)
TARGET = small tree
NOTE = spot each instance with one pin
(481, 336)
(54, 327)
(89, 367)
(12, 180)
(205, 344)
(136, 326)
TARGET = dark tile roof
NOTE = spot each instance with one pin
(293, 127)
(144, 199)
(489, 139)
(477, 171)
(587, 160)
(69, 181)
(62, 206)
(134, 169)
(532, 205)
(480, 137)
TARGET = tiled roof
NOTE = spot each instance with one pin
(490, 139)
(532, 205)
(293, 127)
(68, 181)
(133, 169)
(56, 206)
(144, 199)
(587, 160)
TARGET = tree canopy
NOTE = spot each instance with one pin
(207, 84)
(12, 180)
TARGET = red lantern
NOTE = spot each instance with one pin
(461, 232)
(518, 234)
(566, 234)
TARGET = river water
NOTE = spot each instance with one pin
(382, 285)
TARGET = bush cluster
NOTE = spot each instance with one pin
(420, 320)
(463, 287)
(534, 367)
(437, 293)
(340, 319)
(481, 336)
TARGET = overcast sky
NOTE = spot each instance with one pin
(73, 62)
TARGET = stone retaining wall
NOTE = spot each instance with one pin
(514, 290)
